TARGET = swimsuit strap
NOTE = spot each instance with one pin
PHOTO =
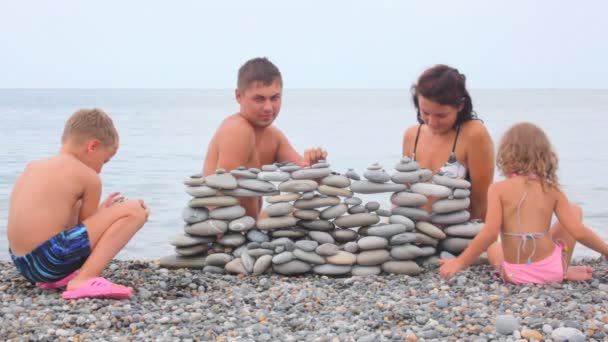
(416, 142)
(525, 236)
(456, 138)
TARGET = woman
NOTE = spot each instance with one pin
(449, 137)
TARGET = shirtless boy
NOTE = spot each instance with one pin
(248, 137)
(58, 232)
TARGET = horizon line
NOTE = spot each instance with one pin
(297, 89)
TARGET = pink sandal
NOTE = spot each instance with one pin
(98, 288)
(59, 283)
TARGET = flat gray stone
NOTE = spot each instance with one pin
(282, 258)
(257, 236)
(403, 238)
(445, 206)
(242, 224)
(416, 214)
(247, 261)
(451, 218)
(365, 271)
(290, 168)
(323, 225)
(466, 230)
(406, 252)
(292, 267)
(367, 187)
(307, 245)
(408, 199)
(258, 252)
(506, 324)
(372, 205)
(289, 233)
(446, 255)
(331, 270)
(353, 201)
(351, 247)
(213, 201)
(461, 193)
(402, 267)
(185, 240)
(270, 223)
(351, 174)
(207, 228)
(176, 261)
(423, 239)
(332, 191)
(194, 180)
(357, 220)
(412, 177)
(244, 174)
(309, 257)
(344, 235)
(320, 165)
(269, 167)
(256, 185)
(383, 230)
(307, 214)
(317, 202)
(191, 250)
(451, 182)
(240, 192)
(214, 269)
(427, 251)
(336, 181)
(410, 165)
(383, 212)
(455, 245)
(218, 259)
(302, 185)
(409, 224)
(279, 209)
(373, 257)
(195, 215)
(227, 213)
(311, 173)
(200, 191)
(372, 242)
(274, 176)
(429, 189)
(235, 266)
(334, 211)
(290, 197)
(308, 195)
(327, 249)
(232, 240)
(224, 181)
(566, 334)
(342, 258)
(321, 237)
(377, 176)
(357, 209)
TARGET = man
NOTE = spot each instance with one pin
(248, 137)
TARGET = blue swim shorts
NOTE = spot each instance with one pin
(57, 258)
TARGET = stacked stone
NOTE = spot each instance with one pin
(377, 246)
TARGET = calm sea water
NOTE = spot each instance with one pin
(164, 135)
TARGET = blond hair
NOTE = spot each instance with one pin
(91, 124)
(525, 150)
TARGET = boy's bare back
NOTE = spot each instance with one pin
(47, 198)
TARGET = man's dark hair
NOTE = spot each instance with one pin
(258, 70)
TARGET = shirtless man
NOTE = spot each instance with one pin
(248, 137)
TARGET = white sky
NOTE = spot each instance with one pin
(317, 44)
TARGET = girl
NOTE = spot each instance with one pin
(520, 209)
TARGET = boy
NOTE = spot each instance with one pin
(58, 232)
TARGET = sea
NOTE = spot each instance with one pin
(164, 136)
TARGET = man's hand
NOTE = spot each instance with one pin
(449, 267)
(114, 198)
(313, 155)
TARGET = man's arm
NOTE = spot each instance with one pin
(90, 195)
(481, 168)
(286, 152)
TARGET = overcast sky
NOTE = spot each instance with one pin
(317, 44)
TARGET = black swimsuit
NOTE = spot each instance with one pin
(452, 167)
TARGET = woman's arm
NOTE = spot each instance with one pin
(480, 164)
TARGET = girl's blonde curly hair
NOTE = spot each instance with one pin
(525, 150)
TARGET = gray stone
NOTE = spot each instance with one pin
(308, 195)
(357, 220)
(344, 235)
(307, 245)
(232, 240)
(412, 213)
(411, 177)
(256, 185)
(405, 166)
(332, 191)
(257, 236)
(200, 191)
(320, 165)
(215, 201)
(194, 180)
(269, 167)
(311, 173)
(383, 230)
(244, 174)
(214, 269)
(331, 269)
(289, 197)
(451, 218)
(350, 173)
(461, 193)
(384, 212)
(274, 176)
(408, 199)
(195, 215)
(357, 209)
(207, 228)
(290, 168)
(429, 189)
(446, 255)
(298, 185)
(317, 202)
(282, 258)
(191, 250)
(235, 266)
(310, 257)
(430, 230)
(176, 261)
(403, 238)
(455, 245)
(316, 224)
(307, 214)
(218, 259)
(341, 258)
(426, 251)
(334, 211)
(423, 239)
(406, 252)
(351, 247)
(262, 264)
(365, 271)
(321, 237)
(258, 252)
(372, 242)
(290, 233)
(240, 192)
(376, 176)
(373, 257)
(466, 230)
(242, 224)
(372, 206)
(353, 201)
(367, 187)
(270, 223)
(247, 261)
(327, 249)
(292, 267)
(450, 205)
(255, 170)
(564, 334)
(227, 213)
(224, 181)
(506, 324)
(336, 181)
(451, 181)
(401, 267)
(185, 240)
(279, 209)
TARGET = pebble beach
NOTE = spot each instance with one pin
(190, 305)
